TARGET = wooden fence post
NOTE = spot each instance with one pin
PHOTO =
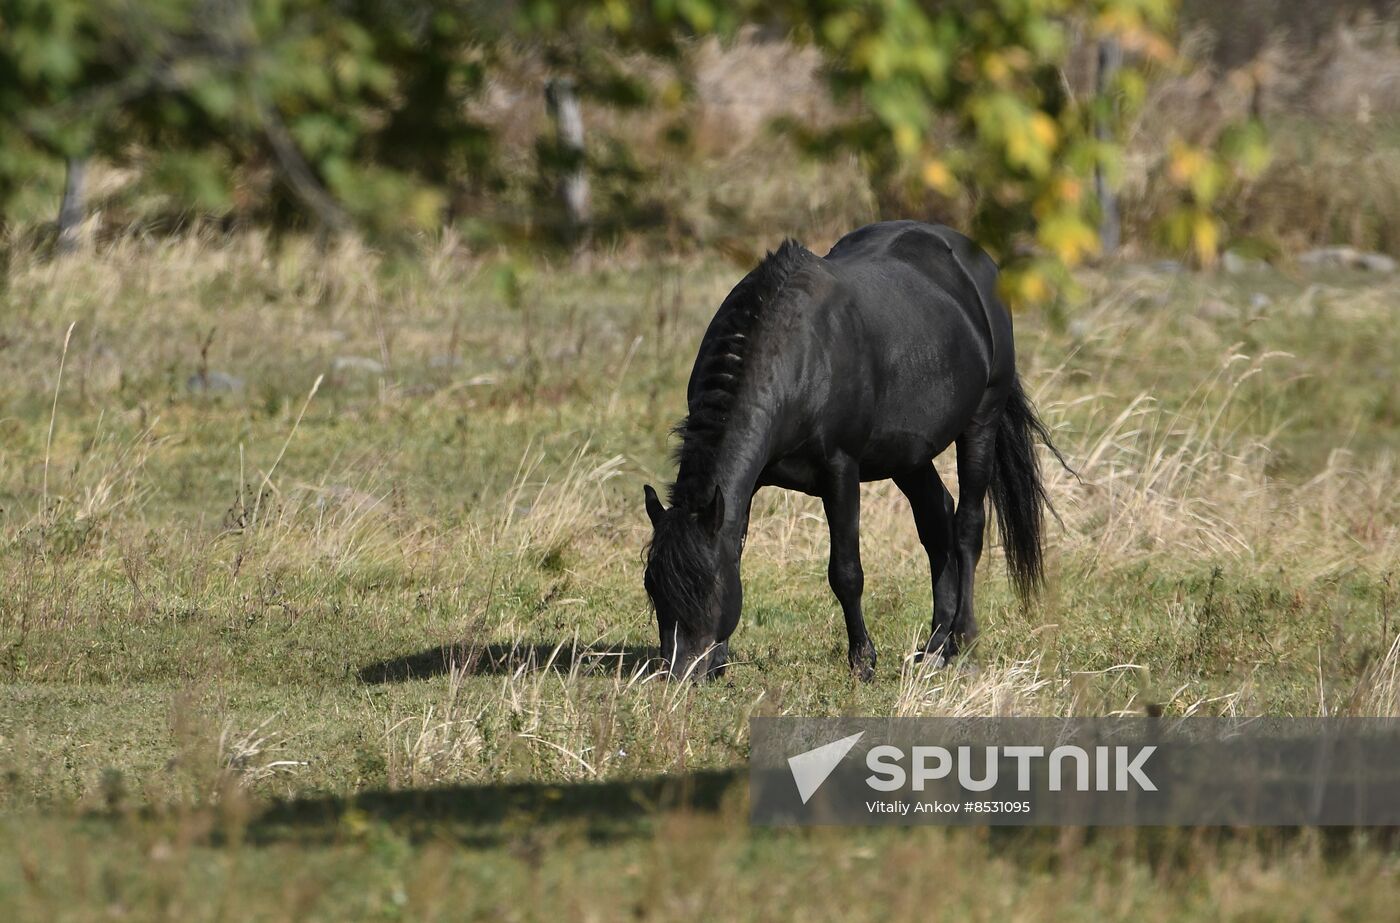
(1110, 229)
(73, 210)
(567, 115)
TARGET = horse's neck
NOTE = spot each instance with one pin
(734, 466)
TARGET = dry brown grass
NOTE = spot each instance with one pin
(1227, 552)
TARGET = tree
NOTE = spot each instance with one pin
(963, 105)
(359, 109)
(51, 51)
(967, 102)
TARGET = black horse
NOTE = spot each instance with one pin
(818, 373)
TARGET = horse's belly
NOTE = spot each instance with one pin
(794, 473)
(916, 425)
(895, 453)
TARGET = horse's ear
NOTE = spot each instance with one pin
(712, 516)
(654, 507)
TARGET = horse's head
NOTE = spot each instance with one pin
(693, 582)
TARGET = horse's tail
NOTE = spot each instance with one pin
(1018, 492)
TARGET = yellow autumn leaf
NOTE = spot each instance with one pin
(1069, 238)
(1025, 287)
(995, 69)
(1205, 238)
(939, 178)
(1044, 129)
(1026, 144)
(1035, 287)
(1069, 189)
(906, 139)
(1186, 163)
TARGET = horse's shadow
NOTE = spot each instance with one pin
(487, 815)
(502, 658)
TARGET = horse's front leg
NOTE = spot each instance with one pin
(841, 497)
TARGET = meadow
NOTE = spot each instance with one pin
(320, 592)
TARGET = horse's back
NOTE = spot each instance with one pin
(883, 352)
(959, 277)
(897, 344)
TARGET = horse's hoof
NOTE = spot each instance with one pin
(862, 661)
(930, 660)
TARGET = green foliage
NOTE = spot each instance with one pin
(962, 106)
(965, 103)
(50, 52)
(1202, 175)
(360, 110)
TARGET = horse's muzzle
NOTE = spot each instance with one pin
(710, 663)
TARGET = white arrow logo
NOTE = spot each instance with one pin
(811, 769)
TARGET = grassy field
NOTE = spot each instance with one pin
(322, 594)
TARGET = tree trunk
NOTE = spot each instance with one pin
(4, 254)
(567, 116)
(1110, 230)
(72, 212)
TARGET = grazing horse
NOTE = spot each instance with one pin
(818, 373)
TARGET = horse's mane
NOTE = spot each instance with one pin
(729, 342)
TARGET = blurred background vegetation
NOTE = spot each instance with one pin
(1056, 131)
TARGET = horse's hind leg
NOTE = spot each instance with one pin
(976, 455)
(841, 498)
(933, 515)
